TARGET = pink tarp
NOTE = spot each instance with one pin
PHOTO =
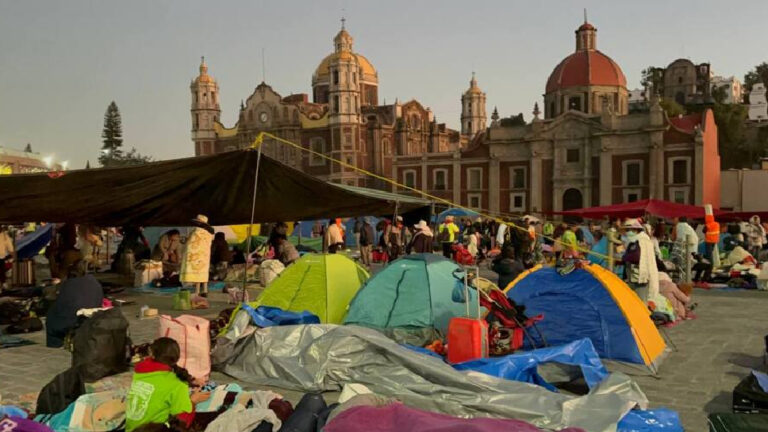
(640, 208)
(397, 417)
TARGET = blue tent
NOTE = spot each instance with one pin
(32, 243)
(412, 292)
(592, 303)
(457, 212)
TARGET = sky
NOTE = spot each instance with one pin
(63, 62)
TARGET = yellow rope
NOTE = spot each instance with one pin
(260, 139)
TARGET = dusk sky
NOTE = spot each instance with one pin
(62, 62)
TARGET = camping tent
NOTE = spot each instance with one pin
(170, 193)
(590, 302)
(412, 292)
(321, 284)
(640, 208)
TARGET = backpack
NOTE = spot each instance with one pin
(444, 233)
(27, 325)
(101, 345)
(61, 391)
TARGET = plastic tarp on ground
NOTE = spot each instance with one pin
(325, 357)
(170, 193)
(661, 208)
(523, 366)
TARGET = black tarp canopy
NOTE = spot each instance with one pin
(170, 193)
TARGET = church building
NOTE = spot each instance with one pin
(344, 120)
(587, 150)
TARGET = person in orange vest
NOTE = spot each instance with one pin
(711, 236)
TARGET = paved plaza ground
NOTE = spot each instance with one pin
(713, 352)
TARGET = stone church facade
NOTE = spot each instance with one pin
(584, 149)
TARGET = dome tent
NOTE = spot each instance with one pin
(320, 284)
(590, 302)
(412, 293)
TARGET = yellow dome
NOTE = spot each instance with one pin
(324, 68)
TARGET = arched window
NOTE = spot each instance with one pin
(335, 103)
(335, 77)
(415, 122)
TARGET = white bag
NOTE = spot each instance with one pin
(269, 270)
(146, 272)
(192, 334)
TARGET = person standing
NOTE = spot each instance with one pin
(395, 238)
(6, 254)
(642, 274)
(356, 231)
(422, 239)
(367, 240)
(196, 263)
(221, 255)
(711, 236)
(446, 234)
(335, 235)
(755, 236)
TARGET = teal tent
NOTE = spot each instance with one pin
(413, 292)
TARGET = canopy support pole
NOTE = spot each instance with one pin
(250, 225)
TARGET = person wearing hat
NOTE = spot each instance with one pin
(196, 263)
(422, 239)
(641, 272)
(446, 234)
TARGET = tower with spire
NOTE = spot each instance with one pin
(205, 110)
(344, 85)
(473, 109)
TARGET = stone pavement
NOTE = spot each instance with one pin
(713, 353)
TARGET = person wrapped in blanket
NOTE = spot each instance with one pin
(159, 393)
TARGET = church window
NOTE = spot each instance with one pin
(409, 178)
(205, 96)
(336, 103)
(474, 179)
(517, 202)
(572, 155)
(335, 77)
(679, 80)
(440, 179)
(354, 77)
(679, 170)
(415, 121)
(469, 126)
(632, 172)
(317, 145)
(197, 121)
(475, 200)
(574, 103)
(387, 149)
(517, 178)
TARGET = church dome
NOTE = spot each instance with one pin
(587, 66)
(204, 77)
(342, 43)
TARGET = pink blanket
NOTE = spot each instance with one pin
(397, 417)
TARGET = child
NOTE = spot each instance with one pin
(160, 388)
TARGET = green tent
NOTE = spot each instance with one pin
(321, 284)
(412, 292)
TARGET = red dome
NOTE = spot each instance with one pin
(586, 26)
(586, 68)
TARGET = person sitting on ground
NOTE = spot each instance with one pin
(168, 250)
(422, 239)
(507, 267)
(286, 252)
(160, 389)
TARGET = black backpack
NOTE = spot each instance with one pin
(101, 345)
(61, 391)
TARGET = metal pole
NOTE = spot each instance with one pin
(688, 276)
(611, 256)
(250, 225)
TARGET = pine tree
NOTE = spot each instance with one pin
(112, 136)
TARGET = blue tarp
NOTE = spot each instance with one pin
(655, 420)
(31, 244)
(458, 213)
(575, 306)
(523, 366)
(266, 316)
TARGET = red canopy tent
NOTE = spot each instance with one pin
(640, 208)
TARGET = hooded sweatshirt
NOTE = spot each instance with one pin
(156, 394)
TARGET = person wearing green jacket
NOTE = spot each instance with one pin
(160, 389)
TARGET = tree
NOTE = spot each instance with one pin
(517, 120)
(719, 93)
(758, 75)
(111, 136)
(653, 79)
(672, 108)
(112, 154)
(735, 150)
